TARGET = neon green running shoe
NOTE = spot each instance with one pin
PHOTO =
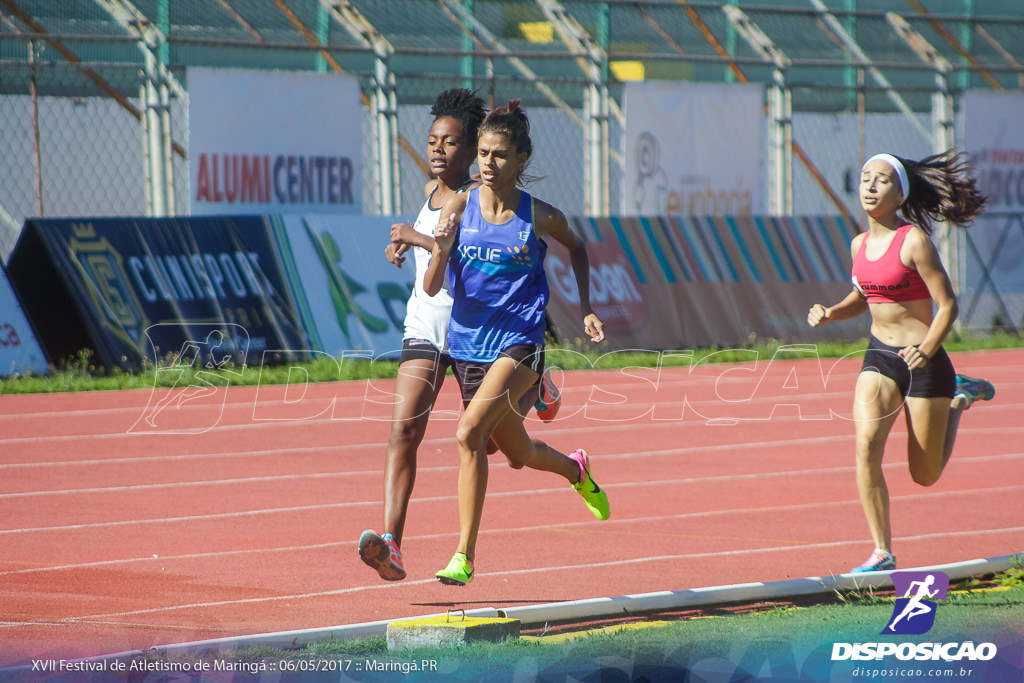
(593, 496)
(459, 571)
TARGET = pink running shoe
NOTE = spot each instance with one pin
(550, 398)
(382, 553)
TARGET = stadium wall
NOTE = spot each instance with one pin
(247, 290)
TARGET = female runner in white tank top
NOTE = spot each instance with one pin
(451, 149)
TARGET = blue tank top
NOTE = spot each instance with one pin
(497, 282)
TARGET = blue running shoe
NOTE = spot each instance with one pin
(880, 561)
(971, 390)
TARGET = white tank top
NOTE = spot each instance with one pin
(426, 317)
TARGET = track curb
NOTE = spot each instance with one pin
(593, 608)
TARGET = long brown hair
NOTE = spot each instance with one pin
(941, 187)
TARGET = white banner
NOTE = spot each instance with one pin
(352, 298)
(994, 137)
(693, 149)
(264, 142)
(19, 351)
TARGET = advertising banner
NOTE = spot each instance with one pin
(352, 298)
(676, 283)
(265, 142)
(693, 149)
(19, 351)
(153, 288)
(992, 279)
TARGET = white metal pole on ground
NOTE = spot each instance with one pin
(595, 608)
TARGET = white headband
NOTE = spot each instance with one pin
(901, 172)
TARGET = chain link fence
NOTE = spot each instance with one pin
(72, 142)
(71, 149)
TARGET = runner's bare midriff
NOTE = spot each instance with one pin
(901, 323)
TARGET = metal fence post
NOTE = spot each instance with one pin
(383, 104)
(780, 112)
(152, 126)
(942, 128)
(34, 94)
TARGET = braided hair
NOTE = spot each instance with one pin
(941, 187)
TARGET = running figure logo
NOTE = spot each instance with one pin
(914, 613)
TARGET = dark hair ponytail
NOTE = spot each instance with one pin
(511, 121)
(941, 187)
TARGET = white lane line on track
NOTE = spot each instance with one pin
(513, 572)
(803, 471)
(189, 628)
(379, 389)
(503, 494)
(449, 441)
(193, 407)
(629, 423)
(151, 459)
(682, 516)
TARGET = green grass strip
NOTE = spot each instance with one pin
(82, 374)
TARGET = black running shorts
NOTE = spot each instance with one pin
(423, 350)
(471, 374)
(936, 379)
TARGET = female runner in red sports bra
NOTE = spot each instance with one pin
(899, 279)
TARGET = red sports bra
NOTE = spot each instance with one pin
(888, 280)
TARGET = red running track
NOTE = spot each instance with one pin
(141, 518)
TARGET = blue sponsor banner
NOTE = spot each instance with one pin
(156, 288)
(19, 350)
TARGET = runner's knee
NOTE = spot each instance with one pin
(471, 437)
(925, 474)
(406, 433)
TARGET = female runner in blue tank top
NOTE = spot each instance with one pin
(451, 149)
(491, 239)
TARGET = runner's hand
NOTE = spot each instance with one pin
(395, 253)
(402, 233)
(594, 327)
(915, 357)
(444, 233)
(818, 315)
